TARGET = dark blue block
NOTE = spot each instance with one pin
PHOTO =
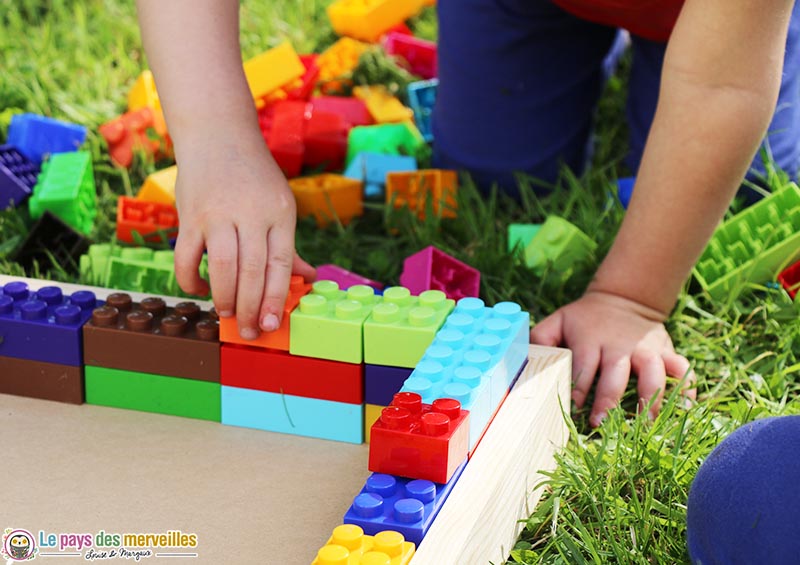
(403, 505)
(625, 190)
(38, 136)
(44, 325)
(381, 383)
(17, 176)
(744, 504)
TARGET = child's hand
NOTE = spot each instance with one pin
(234, 201)
(615, 335)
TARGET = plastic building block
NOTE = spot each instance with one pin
(420, 441)
(147, 219)
(159, 187)
(17, 176)
(328, 198)
(150, 338)
(344, 278)
(475, 357)
(436, 270)
(404, 319)
(383, 107)
(752, 246)
(381, 383)
(417, 55)
(143, 93)
(371, 414)
(422, 98)
(36, 137)
(278, 339)
(282, 125)
(352, 110)
(273, 69)
(520, 235)
(625, 190)
(153, 393)
(66, 188)
(44, 325)
(48, 381)
(559, 245)
(329, 323)
(402, 505)
(416, 190)
(300, 88)
(370, 19)
(336, 64)
(277, 371)
(133, 131)
(389, 139)
(349, 546)
(296, 415)
(325, 140)
(51, 243)
(373, 168)
(789, 279)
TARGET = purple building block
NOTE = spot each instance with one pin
(17, 176)
(432, 269)
(44, 325)
(393, 503)
(38, 136)
(381, 383)
(344, 278)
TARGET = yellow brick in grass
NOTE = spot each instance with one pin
(337, 62)
(383, 107)
(273, 69)
(369, 19)
(160, 186)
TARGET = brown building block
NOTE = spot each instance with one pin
(48, 381)
(150, 338)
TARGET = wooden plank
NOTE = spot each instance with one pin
(479, 521)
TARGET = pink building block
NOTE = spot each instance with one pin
(344, 278)
(432, 269)
(421, 55)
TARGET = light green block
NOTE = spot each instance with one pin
(400, 329)
(558, 244)
(389, 139)
(329, 323)
(153, 393)
(66, 188)
(521, 234)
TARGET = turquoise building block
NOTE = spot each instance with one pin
(521, 234)
(558, 244)
(66, 188)
(296, 415)
(329, 323)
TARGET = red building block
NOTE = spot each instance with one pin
(352, 110)
(790, 279)
(277, 371)
(432, 269)
(133, 131)
(302, 90)
(325, 140)
(145, 218)
(418, 55)
(282, 125)
(419, 441)
(279, 339)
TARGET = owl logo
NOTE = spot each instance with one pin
(18, 545)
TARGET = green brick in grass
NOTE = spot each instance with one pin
(559, 244)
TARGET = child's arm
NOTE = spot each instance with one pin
(720, 83)
(232, 197)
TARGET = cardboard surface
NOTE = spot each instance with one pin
(251, 497)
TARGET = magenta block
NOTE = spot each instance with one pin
(420, 54)
(344, 278)
(432, 269)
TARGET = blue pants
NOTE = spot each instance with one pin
(744, 504)
(520, 79)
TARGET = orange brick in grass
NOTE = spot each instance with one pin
(145, 218)
(414, 188)
(328, 196)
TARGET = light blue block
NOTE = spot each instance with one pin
(296, 415)
(421, 99)
(372, 168)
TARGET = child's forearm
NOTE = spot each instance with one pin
(719, 87)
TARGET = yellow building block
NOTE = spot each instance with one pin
(337, 62)
(350, 546)
(328, 196)
(371, 414)
(383, 107)
(369, 19)
(414, 188)
(160, 186)
(143, 94)
(273, 69)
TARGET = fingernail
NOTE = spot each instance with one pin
(597, 419)
(270, 323)
(249, 333)
(225, 314)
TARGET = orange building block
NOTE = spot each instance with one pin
(337, 62)
(279, 339)
(328, 196)
(133, 131)
(383, 107)
(414, 188)
(144, 218)
(273, 69)
(160, 186)
(368, 20)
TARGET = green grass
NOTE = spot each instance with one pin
(618, 494)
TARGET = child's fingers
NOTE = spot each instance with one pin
(305, 270)
(584, 369)
(251, 278)
(279, 271)
(188, 254)
(548, 331)
(223, 258)
(651, 377)
(678, 366)
(615, 372)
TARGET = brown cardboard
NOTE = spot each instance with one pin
(48, 381)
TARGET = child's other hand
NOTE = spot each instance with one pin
(614, 335)
(234, 202)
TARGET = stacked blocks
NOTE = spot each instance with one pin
(370, 19)
(153, 358)
(17, 176)
(146, 219)
(421, 191)
(436, 270)
(422, 98)
(381, 383)
(36, 137)
(349, 546)
(558, 245)
(159, 187)
(372, 170)
(66, 188)
(328, 197)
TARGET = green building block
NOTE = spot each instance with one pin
(329, 323)
(753, 246)
(66, 188)
(521, 234)
(400, 329)
(559, 244)
(390, 139)
(154, 393)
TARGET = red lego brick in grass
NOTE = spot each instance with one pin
(145, 218)
(352, 110)
(304, 86)
(790, 279)
(132, 131)
(282, 125)
(419, 441)
(277, 371)
(325, 140)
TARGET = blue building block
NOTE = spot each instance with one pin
(296, 415)
(44, 325)
(404, 505)
(17, 176)
(381, 383)
(38, 136)
(371, 169)
(421, 98)
(625, 190)
(474, 359)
